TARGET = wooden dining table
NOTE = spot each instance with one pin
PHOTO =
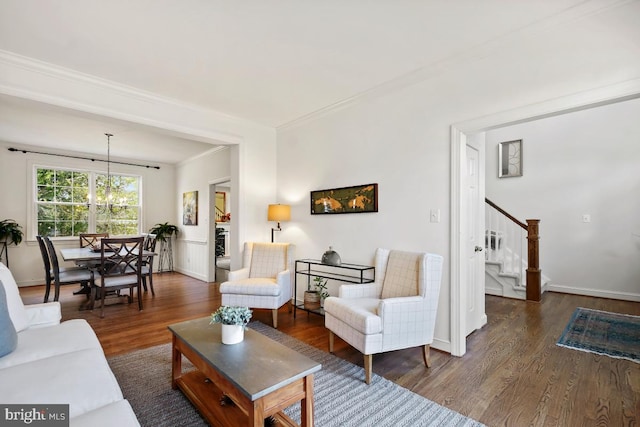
(88, 254)
(93, 257)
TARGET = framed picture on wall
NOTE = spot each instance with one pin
(510, 159)
(190, 208)
(356, 199)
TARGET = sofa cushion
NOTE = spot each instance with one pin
(401, 277)
(16, 307)
(81, 379)
(39, 343)
(8, 335)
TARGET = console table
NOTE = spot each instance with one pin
(346, 273)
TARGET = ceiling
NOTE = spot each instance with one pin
(267, 61)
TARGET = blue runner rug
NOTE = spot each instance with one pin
(611, 334)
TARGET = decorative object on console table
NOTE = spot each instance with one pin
(356, 199)
(164, 233)
(331, 257)
(510, 159)
(233, 320)
(10, 234)
(190, 208)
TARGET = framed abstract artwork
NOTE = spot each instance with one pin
(190, 208)
(510, 159)
(355, 199)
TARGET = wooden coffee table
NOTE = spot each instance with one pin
(260, 376)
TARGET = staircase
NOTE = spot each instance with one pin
(511, 255)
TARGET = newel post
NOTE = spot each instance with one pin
(534, 275)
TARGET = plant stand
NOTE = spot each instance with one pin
(165, 263)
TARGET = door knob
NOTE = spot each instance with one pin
(478, 249)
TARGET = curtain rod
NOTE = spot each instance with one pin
(83, 158)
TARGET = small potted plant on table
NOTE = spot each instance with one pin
(233, 320)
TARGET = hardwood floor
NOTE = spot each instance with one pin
(512, 375)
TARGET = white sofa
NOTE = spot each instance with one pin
(58, 363)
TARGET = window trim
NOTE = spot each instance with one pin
(32, 213)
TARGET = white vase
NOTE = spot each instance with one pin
(232, 334)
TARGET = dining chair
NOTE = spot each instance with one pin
(47, 267)
(147, 261)
(61, 276)
(120, 268)
(90, 239)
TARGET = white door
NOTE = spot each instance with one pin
(474, 247)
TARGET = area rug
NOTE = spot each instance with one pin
(341, 396)
(611, 334)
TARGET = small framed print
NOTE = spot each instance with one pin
(190, 208)
(510, 159)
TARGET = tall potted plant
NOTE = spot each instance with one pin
(164, 233)
(10, 234)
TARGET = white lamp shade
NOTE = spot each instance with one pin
(279, 213)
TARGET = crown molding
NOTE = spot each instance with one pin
(206, 153)
(35, 80)
(477, 52)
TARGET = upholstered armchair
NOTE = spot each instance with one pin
(265, 279)
(396, 311)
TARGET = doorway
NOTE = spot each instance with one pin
(460, 133)
(220, 230)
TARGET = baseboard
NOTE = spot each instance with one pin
(625, 296)
(198, 276)
(441, 345)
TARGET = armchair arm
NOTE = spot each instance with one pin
(411, 313)
(45, 314)
(243, 273)
(283, 279)
(365, 290)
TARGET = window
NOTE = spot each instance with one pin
(70, 202)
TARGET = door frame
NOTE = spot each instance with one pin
(459, 131)
(211, 249)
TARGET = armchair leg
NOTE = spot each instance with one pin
(331, 338)
(368, 362)
(426, 355)
(274, 314)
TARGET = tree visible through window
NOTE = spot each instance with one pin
(72, 202)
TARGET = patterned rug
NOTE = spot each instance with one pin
(611, 334)
(341, 397)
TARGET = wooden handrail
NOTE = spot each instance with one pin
(505, 213)
(534, 274)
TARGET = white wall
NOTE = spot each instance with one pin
(16, 169)
(251, 167)
(586, 162)
(399, 137)
(193, 240)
